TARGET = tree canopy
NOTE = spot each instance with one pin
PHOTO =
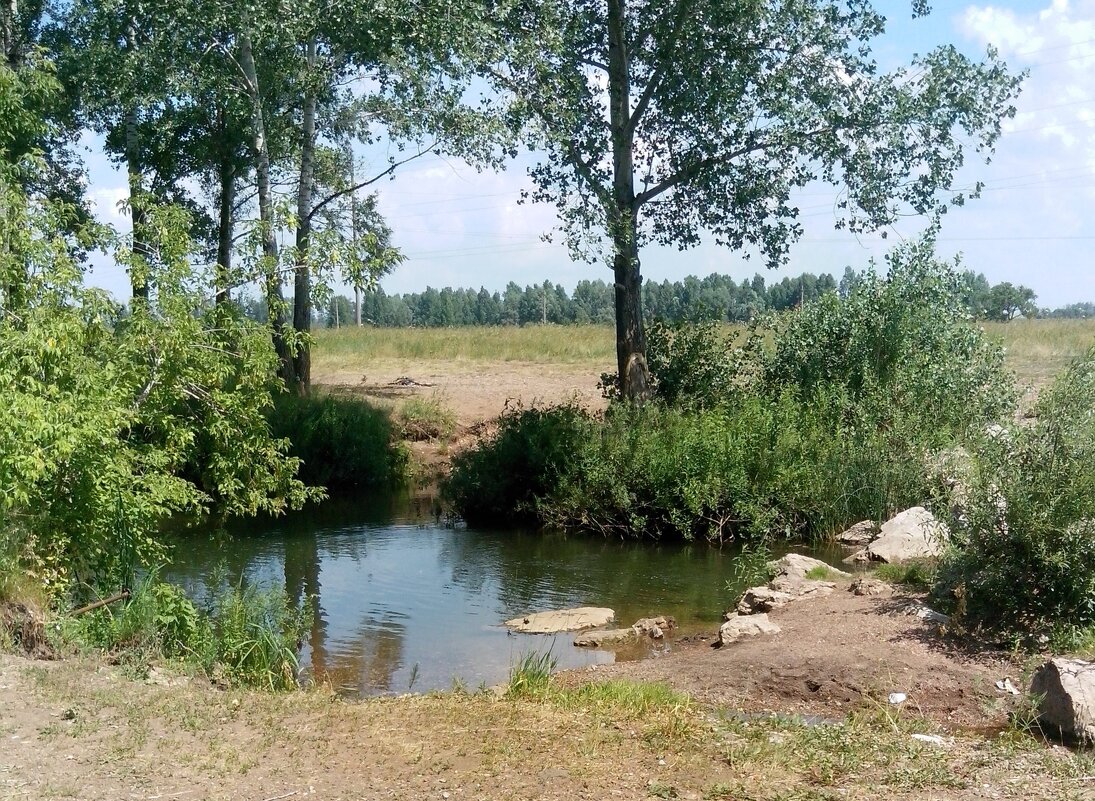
(662, 121)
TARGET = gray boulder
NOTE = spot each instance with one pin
(553, 622)
(870, 586)
(1067, 691)
(654, 627)
(739, 627)
(912, 534)
(860, 534)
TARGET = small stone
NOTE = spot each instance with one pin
(595, 639)
(797, 566)
(655, 627)
(870, 586)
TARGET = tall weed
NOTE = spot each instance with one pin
(1025, 550)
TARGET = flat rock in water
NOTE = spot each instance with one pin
(912, 534)
(595, 639)
(555, 621)
(1067, 690)
(739, 627)
(860, 534)
(796, 565)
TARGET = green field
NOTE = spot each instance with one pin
(1037, 349)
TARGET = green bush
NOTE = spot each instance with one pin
(341, 441)
(784, 469)
(899, 346)
(1024, 559)
(787, 469)
(533, 451)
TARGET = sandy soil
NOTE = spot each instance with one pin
(841, 653)
(476, 391)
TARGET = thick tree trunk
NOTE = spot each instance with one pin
(302, 282)
(630, 334)
(275, 300)
(357, 306)
(634, 375)
(225, 228)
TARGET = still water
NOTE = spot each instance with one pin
(404, 602)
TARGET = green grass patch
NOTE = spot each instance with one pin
(426, 418)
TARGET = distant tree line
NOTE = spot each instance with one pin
(716, 298)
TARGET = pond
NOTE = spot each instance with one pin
(404, 602)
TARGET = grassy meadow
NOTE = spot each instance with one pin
(1037, 350)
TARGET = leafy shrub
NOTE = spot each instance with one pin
(786, 469)
(533, 451)
(341, 441)
(899, 345)
(691, 364)
(759, 468)
(1025, 550)
(112, 425)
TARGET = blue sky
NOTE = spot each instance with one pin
(1033, 225)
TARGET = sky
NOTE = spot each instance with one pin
(1033, 225)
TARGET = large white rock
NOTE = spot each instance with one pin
(912, 534)
(582, 617)
(796, 565)
(738, 627)
(1067, 691)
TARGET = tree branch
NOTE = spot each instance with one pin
(362, 184)
(655, 80)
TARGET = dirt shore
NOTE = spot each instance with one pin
(83, 729)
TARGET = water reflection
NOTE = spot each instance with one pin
(399, 599)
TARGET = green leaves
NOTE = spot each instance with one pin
(116, 423)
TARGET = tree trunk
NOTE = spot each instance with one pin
(139, 272)
(302, 281)
(275, 300)
(634, 374)
(225, 228)
(357, 306)
(9, 36)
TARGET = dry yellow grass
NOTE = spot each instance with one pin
(1037, 349)
(91, 733)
